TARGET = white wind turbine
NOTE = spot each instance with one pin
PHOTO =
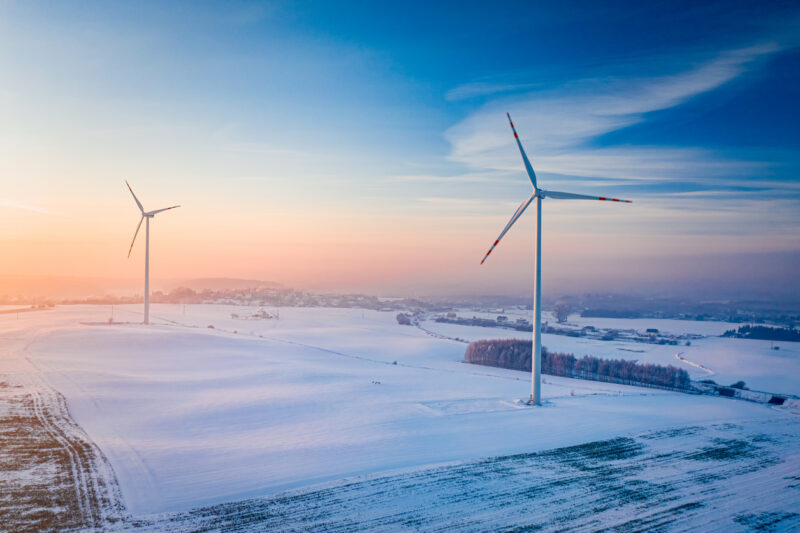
(538, 195)
(145, 215)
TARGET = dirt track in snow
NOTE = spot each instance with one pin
(726, 477)
(52, 477)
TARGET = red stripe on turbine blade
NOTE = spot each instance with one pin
(495, 243)
(615, 199)
(515, 134)
(602, 198)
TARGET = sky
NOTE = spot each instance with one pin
(363, 146)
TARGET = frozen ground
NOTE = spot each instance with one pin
(191, 417)
(52, 476)
(723, 477)
(575, 321)
(726, 360)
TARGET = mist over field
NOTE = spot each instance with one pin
(763, 277)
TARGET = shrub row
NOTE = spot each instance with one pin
(516, 355)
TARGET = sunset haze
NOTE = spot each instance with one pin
(365, 148)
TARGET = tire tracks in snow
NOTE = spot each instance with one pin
(342, 354)
(40, 434)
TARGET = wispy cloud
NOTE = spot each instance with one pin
(560, 126)
(14, 204)
(461, 204)
(268, 149)
(481, 88)
(477, 177)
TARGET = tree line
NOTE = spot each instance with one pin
(516, 355)
(764, 333)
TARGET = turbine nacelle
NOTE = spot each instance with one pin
(538, 195)
(151, 214)
(145, 214)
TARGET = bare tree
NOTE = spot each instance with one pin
(562, 309)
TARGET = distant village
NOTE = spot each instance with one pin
(273, 295)
(650, 335)
(259, 297)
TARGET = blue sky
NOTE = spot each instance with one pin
(386, 122)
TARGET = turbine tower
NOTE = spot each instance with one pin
(538, 195)
(145, 215)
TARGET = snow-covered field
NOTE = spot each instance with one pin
(726, 360)
(722, 477)
(190, 416)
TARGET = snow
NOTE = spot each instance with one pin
(575, 321)
(663, 325)
(722, 477)
(191, 416)
(728, 359)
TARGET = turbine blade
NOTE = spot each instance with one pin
(160, 210)
(528, 167)
(134, 236)
(557, 195)
(134, 197)
(517, 214)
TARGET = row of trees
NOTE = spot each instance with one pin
(516, 355)
(765, 333)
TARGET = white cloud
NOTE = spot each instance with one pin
(557, 126)
(477, 177)
(460, 204)
(14, 204)
(480, 88)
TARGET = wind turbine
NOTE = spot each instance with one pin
(145, 215)
(538, 195)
